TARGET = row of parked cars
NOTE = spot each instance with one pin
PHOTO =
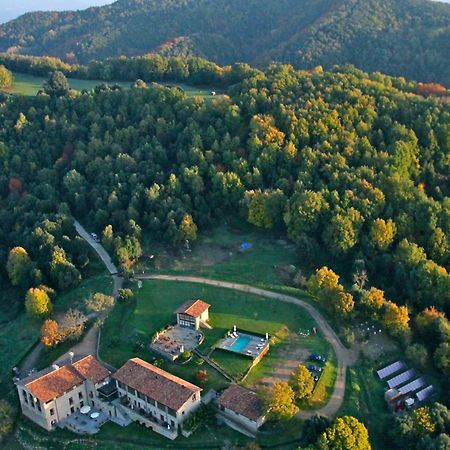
(316, 370)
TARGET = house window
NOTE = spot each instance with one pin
(52, 412)
(91, 394)
(172, 423)
(172, 412)
(25, 396)
(152, 402)
(72, 409)
(194, 397)
(39, 406)
(70, 401)
(81, 403)
(80, 395)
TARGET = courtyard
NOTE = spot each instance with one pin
(175, 340)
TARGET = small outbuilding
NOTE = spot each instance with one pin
(193, 313)
(241, 409)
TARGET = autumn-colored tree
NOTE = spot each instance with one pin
(108, 238)
(422, 420)
(428, 89)
(188, 228)
(37, 303)
(382, 233)
(373, 301)
(280, 401)
(18, 266)
(395, 318)
(99, 302)
(50, 333)
(302, 382)
(72, 324)
(324, 283)
(347, 433)
(343, 304)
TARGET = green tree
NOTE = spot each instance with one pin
(19, 266)
(6, 419)
(280, 400)
(302, 382)
(37, 303)
(418, 355)
(63, 273)
(57, 85)
(347, 433)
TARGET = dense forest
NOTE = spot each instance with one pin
(353, 168)
(400, 37)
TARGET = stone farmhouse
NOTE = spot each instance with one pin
(156, 397)
(138, 391)
(193, 313)
(50, 396)
(241, 409)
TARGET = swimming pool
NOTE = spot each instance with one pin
(240, 343)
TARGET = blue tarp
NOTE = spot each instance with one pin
(246, 246)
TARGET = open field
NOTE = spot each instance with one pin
(25, 84)
(216, 255)
(130, 324)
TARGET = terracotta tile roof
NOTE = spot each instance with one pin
(51, 383)
(91, 369)
(194, 308)
(242, 401)
(156, 383)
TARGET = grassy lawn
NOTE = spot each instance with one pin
(25, 84)
(216, 255)
(154, 308)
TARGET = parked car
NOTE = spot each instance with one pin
(313, 368)
(95, 238)
(318, 358)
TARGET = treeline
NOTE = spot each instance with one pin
(194, 71)
(399, 37)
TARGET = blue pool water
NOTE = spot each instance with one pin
(240, 343)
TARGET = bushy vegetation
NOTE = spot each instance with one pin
(6, 77)
(399, 37)
(352, 168)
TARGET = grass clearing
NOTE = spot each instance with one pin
(29, 85)
(154, 308)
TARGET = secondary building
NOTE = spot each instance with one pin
(241, 409)
(155, 398)
(193, 313)
(50, 396)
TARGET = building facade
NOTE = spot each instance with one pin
(241, 409)
(50, 396)
(193, 313)
(156, 397)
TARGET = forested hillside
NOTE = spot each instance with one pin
(401, 37)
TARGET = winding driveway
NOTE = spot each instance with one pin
(89, 344)
(344, 356)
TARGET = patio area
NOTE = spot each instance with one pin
(88, 423)
(176, 340)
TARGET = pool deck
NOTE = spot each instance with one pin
(255, 346)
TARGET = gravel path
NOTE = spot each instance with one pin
(344, 356)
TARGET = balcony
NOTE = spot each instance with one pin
(147, 419)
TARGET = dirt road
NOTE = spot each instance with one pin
(344, 356)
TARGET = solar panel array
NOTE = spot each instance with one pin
(413, 386)
(392, 368)
(425, 393)
(402, 378)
